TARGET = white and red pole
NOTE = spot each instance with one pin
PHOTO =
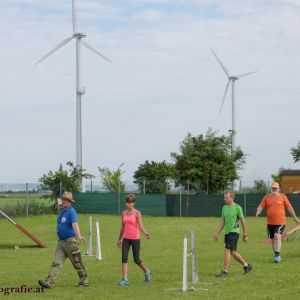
(23, 229)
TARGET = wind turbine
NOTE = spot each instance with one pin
(80, 90)
(231, 79)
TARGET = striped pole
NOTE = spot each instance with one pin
(23, 229)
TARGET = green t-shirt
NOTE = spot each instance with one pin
(232, 215)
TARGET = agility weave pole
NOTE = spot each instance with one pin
(23, 229)
(98, 244)
(186, 254)
(285, 234)
(195, 277)
(89, 252)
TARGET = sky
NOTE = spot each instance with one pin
(164, 82)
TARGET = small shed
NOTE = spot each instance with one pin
(290, 181)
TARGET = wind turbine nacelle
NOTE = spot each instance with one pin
(79, 35)
(81, 90)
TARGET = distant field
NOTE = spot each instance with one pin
(162, 253)
(11, 198)
(15, 203)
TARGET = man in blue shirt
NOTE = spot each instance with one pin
(67, 245)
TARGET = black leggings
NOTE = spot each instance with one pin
(135, 244)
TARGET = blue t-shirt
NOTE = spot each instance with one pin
(65, 219)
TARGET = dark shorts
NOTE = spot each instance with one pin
(272, 229)
(231, 240)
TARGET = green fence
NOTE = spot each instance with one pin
(211, 205)
(113, 203)
(170, 205)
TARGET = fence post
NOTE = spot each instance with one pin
(187, 199)
(245, 204)
(180, 198)
(26, 199)
(119, 198)
(144, 186)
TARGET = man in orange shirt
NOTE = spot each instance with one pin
(276, 203)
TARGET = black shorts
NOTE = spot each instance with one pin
(272, 229)
(231, 240)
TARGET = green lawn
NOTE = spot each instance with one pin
(163, 254)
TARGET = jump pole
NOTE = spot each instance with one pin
(195, 278)
(185, 265)
(186, 254)
(89, 252)
(98, 244)
(90, 240)
(23, 229)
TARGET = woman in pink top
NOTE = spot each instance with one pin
(130, 236)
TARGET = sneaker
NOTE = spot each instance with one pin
(44, 284)
(247, 269)
(123, 282)
(277, 259)
(222, 274)
(148, 276)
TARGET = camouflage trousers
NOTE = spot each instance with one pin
(68, 248)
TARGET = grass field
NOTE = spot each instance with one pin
(163, 254)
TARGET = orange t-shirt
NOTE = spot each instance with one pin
(275, 205)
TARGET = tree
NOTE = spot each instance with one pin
(296, 153)
(111, 179)
(155, 176)
(261, 187)
(206, 164)
(277, 177)
(63, 180)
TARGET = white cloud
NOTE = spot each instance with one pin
(164, 82)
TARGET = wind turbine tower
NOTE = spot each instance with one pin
(231, 80)
(80, 90)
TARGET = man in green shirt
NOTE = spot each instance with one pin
(232, 215)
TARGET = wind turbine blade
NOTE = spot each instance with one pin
(220, 63)
(74, 16)
(65, 41)
(223, 100)
(95, 51)
(246, 74)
